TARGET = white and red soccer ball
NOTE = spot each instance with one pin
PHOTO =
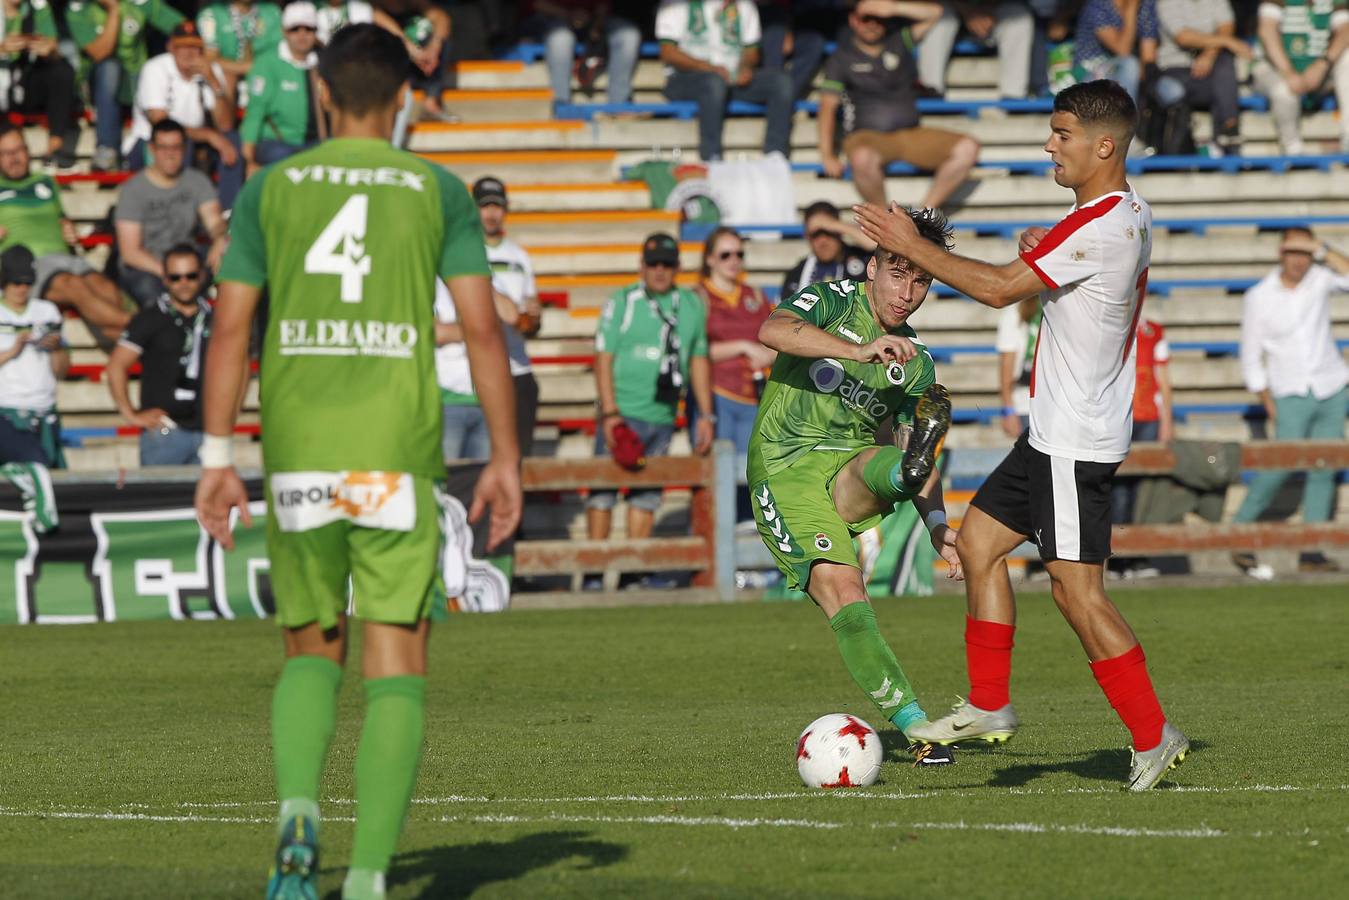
(839, 750)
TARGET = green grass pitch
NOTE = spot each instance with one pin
(649, 753)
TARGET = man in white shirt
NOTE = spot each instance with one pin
(32, 358)
(1289, 358)
(1091, 272)
(711, 56)
(181, 85)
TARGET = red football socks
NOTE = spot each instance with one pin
(1125, 680)
(988, 656)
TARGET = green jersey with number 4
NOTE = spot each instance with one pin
(833, 404)
(349, 237)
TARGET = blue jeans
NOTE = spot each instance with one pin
(107, 83)
(1300, 418)
(559, 42)
(809, 29)
(656, 439)
(1125, 491)
(735, 421)
(771, 88)
(1125, 70)
(144, 287)
(464, 435)
(177, 448)
(267, 152)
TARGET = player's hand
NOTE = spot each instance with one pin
(885, 349)
(218, 492)
(979, 23)
(944, 542)
(1011, 425)
(892, 231)
(1240, 49)
(68, 233)
(1293, 81)
(1165, 431)
(1031, 238)
(832, 166)
(608, 424)
(1202, 66)
(151, 419)
(228, 155)
(704, 433)
(880, 9)
(498, 487)
(49, 342)
(743, 76)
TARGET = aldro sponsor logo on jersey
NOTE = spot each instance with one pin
(346, 337)
(830, 378)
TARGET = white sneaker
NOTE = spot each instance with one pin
(968, 723)
(1147, 768)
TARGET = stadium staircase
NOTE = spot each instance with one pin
(582, 220)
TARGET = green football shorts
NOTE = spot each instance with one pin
(370, 543)
(795, 512)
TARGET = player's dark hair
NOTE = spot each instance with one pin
(717, 234)
(167, 126)
(182, 248)
(364, 66)
(932, 225)
(820, 208)
(8, 127)
(1101, 104)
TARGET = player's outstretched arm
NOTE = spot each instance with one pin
(499, 484)
(220, 489)
(991, 285)
(931, 505)
(786, 332)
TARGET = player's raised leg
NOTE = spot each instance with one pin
(1120, 668)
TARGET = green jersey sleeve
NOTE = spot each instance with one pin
(819, 305)
(163, 18)
(463, 251)
(44, 21)
(80, 21)
(693, 323)
(246, 259)
(610, 327)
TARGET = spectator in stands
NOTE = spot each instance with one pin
(1290, 359)
(1152, 422)
(517, 302)
(651, 342)
(32, 358)
(160, 207)
(112, 36)
(1018, 332)
(711, 56)
(1108, 34)
(36, 78)
(560, 23)
(794, 35)
(424, 27)
(31, 215)
(1304, 43)
(285, 114)
(235, 33)
(169, 340)
(735, 310)
(1197, 62)
(872, 78)
(181, 85)
(1005, 24)
(830, 257)
(464, 432)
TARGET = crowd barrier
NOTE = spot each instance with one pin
(129, 547)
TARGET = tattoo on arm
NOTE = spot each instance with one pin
(799, 326)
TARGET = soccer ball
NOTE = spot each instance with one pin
(837, 751)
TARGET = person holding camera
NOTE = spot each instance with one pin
(168, 339)
(651, 343)
(32, 358)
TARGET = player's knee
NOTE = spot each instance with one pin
(974, 552)
(60, 288)
(966, 151)
(865, 160)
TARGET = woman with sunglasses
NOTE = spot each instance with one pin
(735, 310)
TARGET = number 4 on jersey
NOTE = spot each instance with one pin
(340, 249)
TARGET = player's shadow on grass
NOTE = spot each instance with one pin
(1100, 765)
(458, 871)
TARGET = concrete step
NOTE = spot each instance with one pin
(565, 167)
(499, 105)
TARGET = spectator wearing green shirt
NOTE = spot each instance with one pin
(111, 34)
(1304, 43)
(31, 215)
(651, 342)
(236, 34)
(284, 111)
(35, 78)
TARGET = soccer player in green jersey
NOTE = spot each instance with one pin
(348, 237)
(849, 366)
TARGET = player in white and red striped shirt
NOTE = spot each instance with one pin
(1090, 271)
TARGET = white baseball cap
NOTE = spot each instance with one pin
(300, 13)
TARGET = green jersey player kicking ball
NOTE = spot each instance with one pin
(349, 237)
(849, 366)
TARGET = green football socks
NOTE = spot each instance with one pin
(304, 710)
(873, 665)
(386, 766)
(881, 475)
